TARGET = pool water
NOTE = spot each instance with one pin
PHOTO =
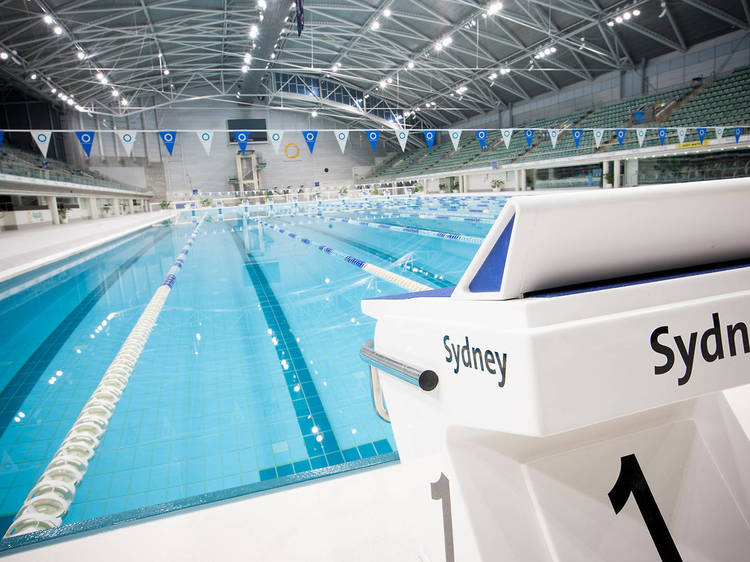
(251, 378)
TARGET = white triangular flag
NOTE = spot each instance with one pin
(342, 135)
(275, 138)
(507, 134)
(641, 134)
(681, 131)
(553, 133)
(127, 138)
(402, 137)
(598, 136)
(455, 135)
(41, 138)
(719, 132)
(206, 137)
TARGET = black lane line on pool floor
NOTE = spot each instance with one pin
(308, 407)
(423, 273)
(18, 388)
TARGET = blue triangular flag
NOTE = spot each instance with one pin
(429, 137)
(168, 138)
(2, 135)
(737, 133)
(482, 138)
(621, 135)
(529, 136)
(310, 137)
(577, 134)
(701, 133)
(86, 138)
(242, 138)
(662, 135)
(373, 137)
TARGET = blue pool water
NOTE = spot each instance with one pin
(251, 378)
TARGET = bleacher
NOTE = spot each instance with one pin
(18, 162)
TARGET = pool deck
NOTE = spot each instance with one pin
(26, 249)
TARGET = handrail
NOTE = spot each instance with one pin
(426, 380)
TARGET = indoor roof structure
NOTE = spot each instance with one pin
(432, 62)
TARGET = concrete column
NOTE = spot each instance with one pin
(131, 209)
(605, 171)
(116, 210)
(93, 208)
(616, 170)
(631, 172)
(52, 206)
(521, 180)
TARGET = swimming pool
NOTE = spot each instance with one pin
(251, 378)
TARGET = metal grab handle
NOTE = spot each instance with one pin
(426, 380)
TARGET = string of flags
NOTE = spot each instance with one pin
(276, 137)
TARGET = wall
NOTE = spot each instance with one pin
(717, 56)
(190, 168)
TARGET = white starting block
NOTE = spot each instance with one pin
(562, 401)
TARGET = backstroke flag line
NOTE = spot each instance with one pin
(127, 138)
(275, 138)
(342, 135)
(507, 134)
(168, 138)
(86, 138)
(402, 136)
(455, 135)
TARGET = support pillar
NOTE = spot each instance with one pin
(131, 208)
(605, 171)
(93, 208)
(52, 206)
(521, 180)
(616, 170)
(116, 206)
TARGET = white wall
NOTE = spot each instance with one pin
(189, 167)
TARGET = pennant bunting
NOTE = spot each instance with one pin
(553, 133)
(482, 138)
(168, 138)
(342, 135)
(429, 137)
(242, 137)
(681, 132)
(41, 138)
(719, 132)
(577, 134)
(373, 137)
(662, 136)
(737, 133)
(2, 135)
(621, 135)
(402, 137)
(641, 134)
(598, 136)
(701, 134)
(127, 138)
(310, 138)
(455, 135)
(86, 138)
(275, 137)
(506, 134)
(206, 137)
(529, 136)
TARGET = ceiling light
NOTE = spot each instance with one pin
(411, 64)
(64, 97)
(115, 93)
(123, 101)
(70, 101)
(610, 23)
(375, 25)
(244, 68)
(314, 113)
(462, 90)
(447, 41)
(261, 4)
(636, 13)
(81, 55)
(58, 30)
(382, 83)
(438, 46)
(3, 55)
(33, 76)
(253, 31)
(166, 72)
(105, 81)
(493, 75)
(260, 17)
(248, 57)
(390, 80)
(387, 12)
(99, 75)
(53, 90)
(273, 55)
(79, 108)
(60, 95)
(618, 19)
(48, 19)
(494, 8)
(504, 71)
(626, 16)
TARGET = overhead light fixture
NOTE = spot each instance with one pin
(81, 55)
(410, 64)
(314, 113)
(273, 55)
(33, 76)
(48, 19)
(504, 71)
(610, 23)
(64, 97)
(494, 8)
(462, 90)
(115, 93)
(60, 95)
(261, 4)
(58, 30)
(382, 83)
(253, 31)
(244, 69)
(447, 41)
(123, 101)
(389, 80)
(53, 90)
(618, 19)
(4, 55)
(99, 76)
(636, 13)
(626, 16)
(375, 25)
(166, 72)
(247, 58)
(387, 12)
(70, 101)
(493, 75)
